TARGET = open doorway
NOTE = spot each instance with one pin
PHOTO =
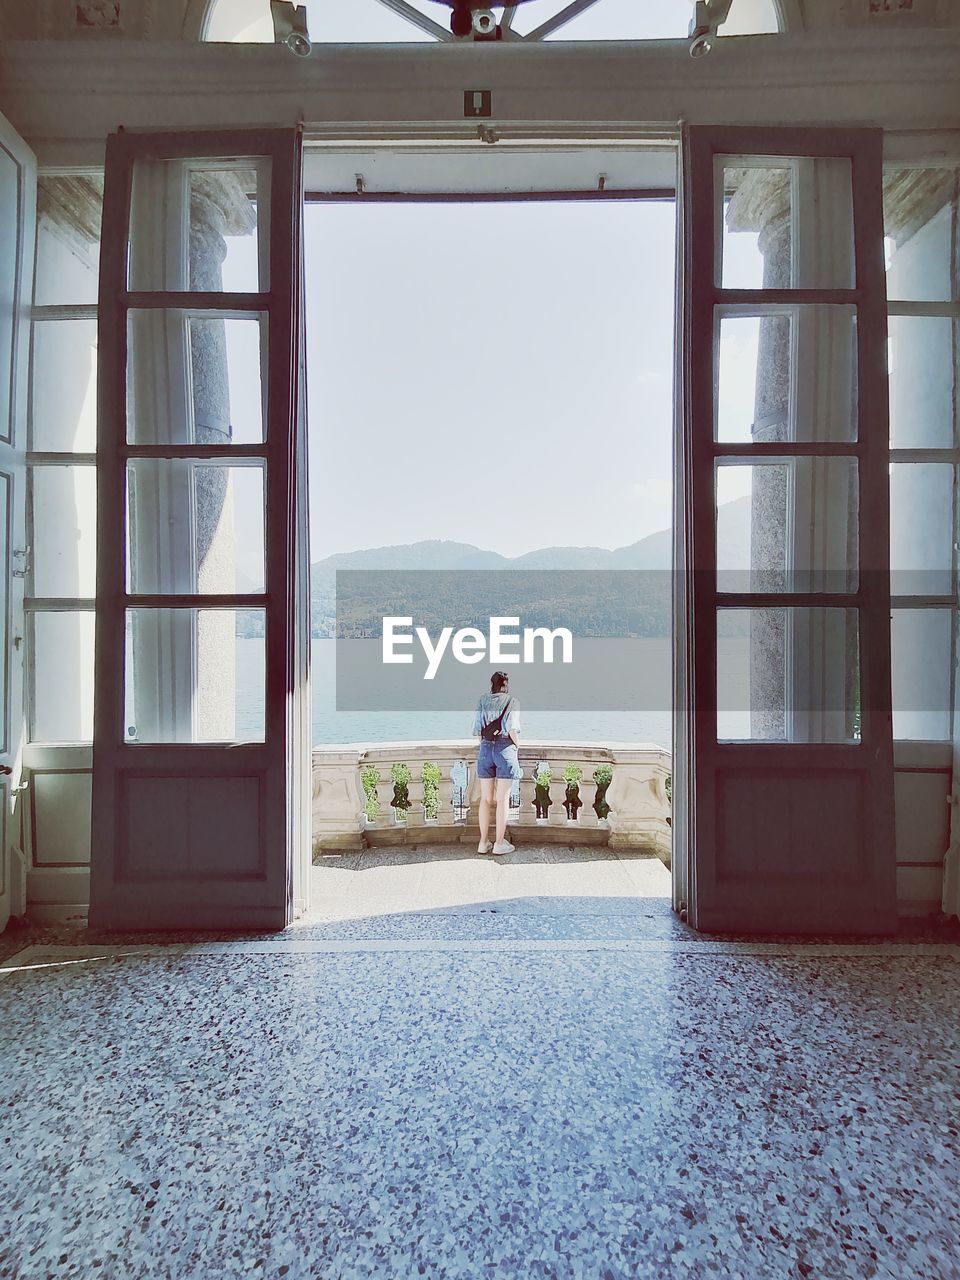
(218, 382)
(491, 398)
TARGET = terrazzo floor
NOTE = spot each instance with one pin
(556, 1079)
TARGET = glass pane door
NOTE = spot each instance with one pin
(195, 601)
(785, 436)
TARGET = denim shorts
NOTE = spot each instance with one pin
(496, 761)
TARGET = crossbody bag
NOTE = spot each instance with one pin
(494, 730)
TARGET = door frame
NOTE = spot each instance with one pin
(15, 563)
(664, 140)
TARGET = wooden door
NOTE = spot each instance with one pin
(198, 760)
(789, 785)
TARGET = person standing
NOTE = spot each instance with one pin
(497, 724)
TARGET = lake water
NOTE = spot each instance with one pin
(331, 725)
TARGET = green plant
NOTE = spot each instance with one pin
(602, 776)
(541, 792)
(400, 777)
(572, 802)
(431, 776)
(572, 773)
(369, 778)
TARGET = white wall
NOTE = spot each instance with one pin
(904, 81)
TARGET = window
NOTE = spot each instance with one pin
(921, 229)
(195, 382)
(627, 20)
(61, 457)
(786, 522)
(374, 21)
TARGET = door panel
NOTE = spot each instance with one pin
(784, 448)
(18, 214)
(197, 761)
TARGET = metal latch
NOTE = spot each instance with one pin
(24, 554)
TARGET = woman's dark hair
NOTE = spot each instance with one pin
(498, 680)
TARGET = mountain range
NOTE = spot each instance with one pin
(650, 553)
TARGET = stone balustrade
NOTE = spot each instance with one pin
(639, 816)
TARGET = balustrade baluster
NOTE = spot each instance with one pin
(588, 794)
(639, 809)
(447, 815)
(558, 788)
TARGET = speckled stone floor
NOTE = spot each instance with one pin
(534, 1085)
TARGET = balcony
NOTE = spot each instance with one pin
(621, 797)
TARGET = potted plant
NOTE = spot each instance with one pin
(602, 776)
(430, 776)
(400, 802)
(541, 792)
(369, 779)
(571, 801)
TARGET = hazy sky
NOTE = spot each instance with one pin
(498, 374)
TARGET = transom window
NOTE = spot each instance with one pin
(404, 21)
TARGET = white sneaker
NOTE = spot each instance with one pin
(503, 846)
(484, 846)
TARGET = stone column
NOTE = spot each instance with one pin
(761, 203)
(70, 207)
(911, 197)
(219, 207)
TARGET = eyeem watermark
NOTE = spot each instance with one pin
(428, 640)
(504, 642)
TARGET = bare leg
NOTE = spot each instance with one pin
(486, 804)
(504, 786)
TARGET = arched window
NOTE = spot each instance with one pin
(330, 21)
(627, 20)
(389, 21)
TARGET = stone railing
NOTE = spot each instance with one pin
(345, 818)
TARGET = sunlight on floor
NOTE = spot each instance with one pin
(380, 882)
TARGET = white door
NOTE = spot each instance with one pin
(785, 628)
(199, 760)
(18, 216)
